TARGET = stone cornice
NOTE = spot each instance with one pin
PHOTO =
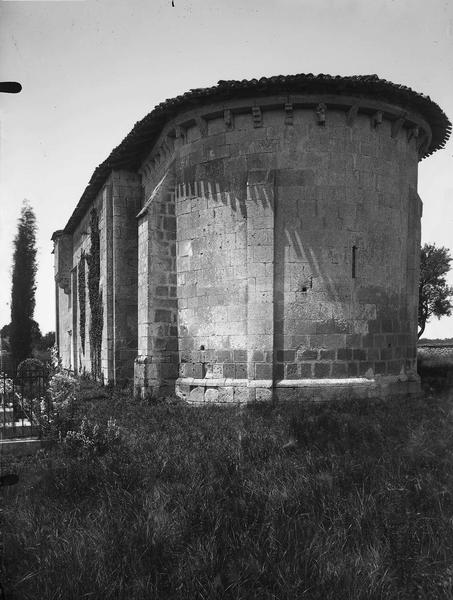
(175, 130)
(369, 91)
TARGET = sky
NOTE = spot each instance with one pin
(91, 68)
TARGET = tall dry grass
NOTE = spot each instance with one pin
(173, 502)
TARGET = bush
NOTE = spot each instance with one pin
(31, 366)
(64, 410)
(63, 390)
(55, 365)
(6, 384)
(92, 439)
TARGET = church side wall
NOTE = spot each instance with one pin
(81, 249)
(116, 205)
(127, 199)
(64, 327)
(63, 297)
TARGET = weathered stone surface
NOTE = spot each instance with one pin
(242, 394)
(263, 395)
(197, 395)
(226, 394)
(211, 395)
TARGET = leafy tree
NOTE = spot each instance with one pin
(4, 338)
(23, 289)
(5, 330)
(47, 341)
(38, 341)
(36, 335)
(434, 294)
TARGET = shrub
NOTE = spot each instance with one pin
(6, 384)
(63, 390)
(31, 366)
(55, 365)
(92, 439)
(63, 406)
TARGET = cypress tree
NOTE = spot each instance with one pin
(23, 285)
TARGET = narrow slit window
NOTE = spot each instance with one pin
(354, 261)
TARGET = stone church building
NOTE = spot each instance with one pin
(251, 240)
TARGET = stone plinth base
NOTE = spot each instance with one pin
(201, 391)
(154, 378)
(358, 388)
(239, 391)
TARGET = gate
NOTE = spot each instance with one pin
(22, 404)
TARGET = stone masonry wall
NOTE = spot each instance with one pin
(62, 273)
(65, 327)
(294, 242)
(117, 205)
(81, 239)
(225, 259)
(156, 366)
(126, 199)
(345, 198)
(81, 247)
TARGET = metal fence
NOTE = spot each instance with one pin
(23, 404)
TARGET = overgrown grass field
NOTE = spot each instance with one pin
(177, 502)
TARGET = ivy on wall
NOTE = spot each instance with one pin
(95, 296)
(81, 286)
